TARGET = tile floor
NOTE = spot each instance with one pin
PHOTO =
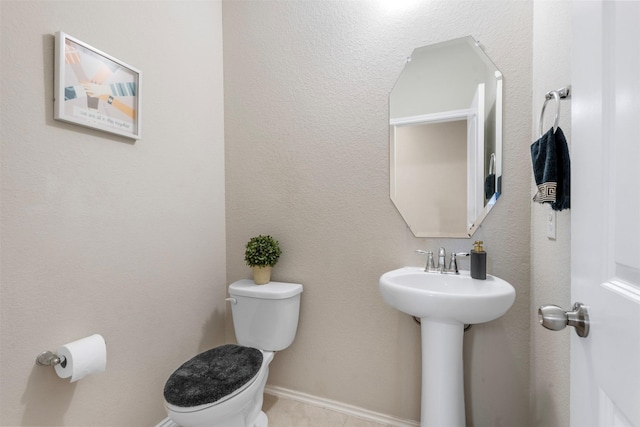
(290, 413)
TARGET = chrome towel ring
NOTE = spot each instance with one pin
(556, 95)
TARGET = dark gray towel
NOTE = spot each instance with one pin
(489, 185)
(552, 170)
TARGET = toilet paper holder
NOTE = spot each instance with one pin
(49, 358)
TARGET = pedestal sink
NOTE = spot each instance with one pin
(444, 303)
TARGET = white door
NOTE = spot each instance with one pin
(605, 212)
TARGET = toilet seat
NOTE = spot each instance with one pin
(212, 377)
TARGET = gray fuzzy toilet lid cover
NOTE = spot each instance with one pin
(212, 375)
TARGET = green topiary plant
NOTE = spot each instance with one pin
(262, 251)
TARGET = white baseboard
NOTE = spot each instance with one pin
(167, 423)
(343, 408)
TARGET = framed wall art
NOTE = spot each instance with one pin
(94, 89)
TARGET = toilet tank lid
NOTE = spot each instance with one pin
(272, 290)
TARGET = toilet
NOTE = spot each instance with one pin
(224, 386)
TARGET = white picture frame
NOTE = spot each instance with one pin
(94, 89)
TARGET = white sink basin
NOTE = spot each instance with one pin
(444, 303)
(446, 296)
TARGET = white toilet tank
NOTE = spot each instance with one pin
(265, 316)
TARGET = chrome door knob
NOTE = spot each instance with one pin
(555, 318)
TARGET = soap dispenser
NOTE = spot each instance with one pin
(478, 261)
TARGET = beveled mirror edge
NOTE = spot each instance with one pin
(498, 149)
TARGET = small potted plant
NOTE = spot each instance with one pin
(262, 253)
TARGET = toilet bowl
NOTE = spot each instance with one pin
(224, 386)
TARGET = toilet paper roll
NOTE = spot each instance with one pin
(82, 357)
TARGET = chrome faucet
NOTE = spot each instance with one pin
(441, 268)
(442, 255)
(430, 266)
(453, 263)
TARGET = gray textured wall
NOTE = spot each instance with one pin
(307, 157)
(550, 259)
(103, 235)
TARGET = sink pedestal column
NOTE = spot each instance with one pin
(442, 374)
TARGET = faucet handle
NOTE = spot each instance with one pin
(453, 263)
(430, 263)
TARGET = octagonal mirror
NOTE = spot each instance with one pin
(445, 123)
